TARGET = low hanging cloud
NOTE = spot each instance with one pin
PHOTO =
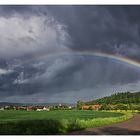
(22, 35)
(72, 96)
(4, 71)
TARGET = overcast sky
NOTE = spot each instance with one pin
(35, 42)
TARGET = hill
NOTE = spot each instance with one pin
(118, 98)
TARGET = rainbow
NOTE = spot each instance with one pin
(119, 58)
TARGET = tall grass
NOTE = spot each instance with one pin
(98, 122)
(52, 126)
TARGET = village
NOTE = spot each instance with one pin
(48, 108)
(37, 107)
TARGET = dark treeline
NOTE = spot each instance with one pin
(118, 98)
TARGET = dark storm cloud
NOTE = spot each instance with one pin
(29, 67)
(105, 28)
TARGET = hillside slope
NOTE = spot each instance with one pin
(118, 98)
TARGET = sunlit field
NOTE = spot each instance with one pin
(55, 122)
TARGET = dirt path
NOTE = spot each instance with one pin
(130, 127)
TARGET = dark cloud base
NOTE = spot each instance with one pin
(28, 73)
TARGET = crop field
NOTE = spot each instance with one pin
(55, 122)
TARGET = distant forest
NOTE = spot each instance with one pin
(118, 98)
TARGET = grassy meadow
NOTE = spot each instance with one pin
(55, 122)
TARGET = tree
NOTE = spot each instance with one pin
(121, 107)
(105, 107)
(90, 107)
(118, 98)
(80, 103)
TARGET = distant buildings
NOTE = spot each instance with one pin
(29, 108)
(37, 107)
(26, 108)
(41, 108)
(94, 107)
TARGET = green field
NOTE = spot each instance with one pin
(55, 122)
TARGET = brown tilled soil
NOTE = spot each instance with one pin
(129, 127)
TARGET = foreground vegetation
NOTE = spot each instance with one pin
(55, 122)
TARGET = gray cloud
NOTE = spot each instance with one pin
(31, 35)
(74, 95)
(33, 39)
(101, 27)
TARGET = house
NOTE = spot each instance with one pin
(46, 109)
(85, 107)
(69, 107)
(42, 108)
(2, 108)
(95, 107)
(29, 108)
(39, 109)
(21, 108)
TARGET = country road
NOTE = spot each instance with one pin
(129, 127)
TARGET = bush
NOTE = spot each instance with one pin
(105, 107)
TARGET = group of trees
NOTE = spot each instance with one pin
(80, 103)
(118, 98)
(120, 107)
(118, 101)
